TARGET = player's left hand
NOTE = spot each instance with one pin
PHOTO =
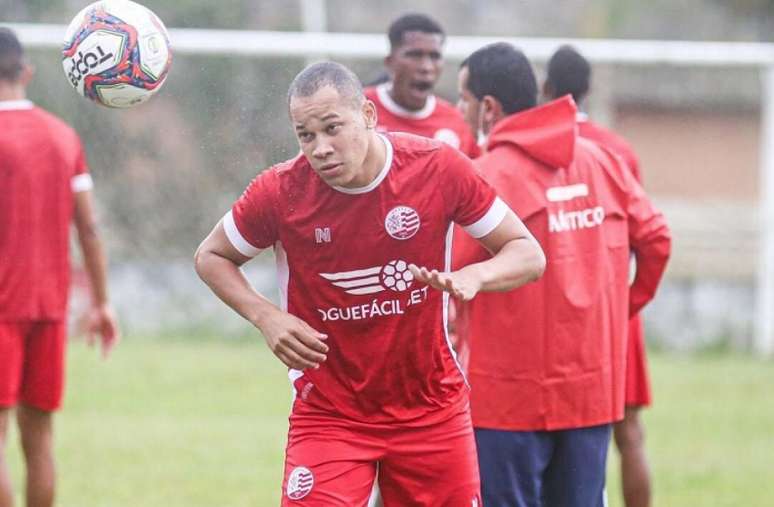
(102, 322)
(461, 284)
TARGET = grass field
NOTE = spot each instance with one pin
(202, 424)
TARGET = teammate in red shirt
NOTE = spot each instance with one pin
(360, 325)
(569, 73)
(406, 102)
(547, 360)
(46, 185)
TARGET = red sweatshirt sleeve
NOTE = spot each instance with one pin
(650, 241)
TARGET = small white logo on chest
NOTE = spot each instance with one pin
(402, 222)
(322, 235)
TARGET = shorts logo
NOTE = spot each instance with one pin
(300, 483)
(395, 276)
(402, 222)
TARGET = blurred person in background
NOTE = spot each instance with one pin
(547, 360)
(360, 327)
(46, 186)
(569, 73)
(404, 97)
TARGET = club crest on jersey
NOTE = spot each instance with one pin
(395, 276)
(402, 222)
(300, 483)
(448, 136)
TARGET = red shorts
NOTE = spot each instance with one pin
(32, 364)
(637, 378)
(332, 462)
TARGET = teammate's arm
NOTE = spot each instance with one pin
(517, 259)
(102, 319)
(291, 339)
(650, 240)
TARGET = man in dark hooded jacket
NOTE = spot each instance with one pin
(547, 360)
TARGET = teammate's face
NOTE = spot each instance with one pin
(415, 67)
(333, 134)
(468, 105)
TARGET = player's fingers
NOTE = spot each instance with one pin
(306, 352)
(294, 361)
(311, 341)
(420, 273)
(315, 334)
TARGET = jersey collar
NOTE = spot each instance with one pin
(15, 105)
(383, 92)
(379, 178)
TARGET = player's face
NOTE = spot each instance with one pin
(333, 134)
(415, 67)
(468, 105)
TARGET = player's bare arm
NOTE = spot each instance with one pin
(292, 340)
(102, 320)
(516, 259)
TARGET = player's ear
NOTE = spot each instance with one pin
(28, 71)
(369, 114)
(491, 112)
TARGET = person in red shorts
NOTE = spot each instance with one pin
(569, 73)
(46, 186)
(406, 102)
(547, 360)
(360, 223)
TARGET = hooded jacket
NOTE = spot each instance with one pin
(550, 355)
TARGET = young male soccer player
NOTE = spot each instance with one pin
(406, 103)
(45, 185)
(360, 224)
(546, 363)
(569, 73)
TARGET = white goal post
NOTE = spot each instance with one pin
(630, 52)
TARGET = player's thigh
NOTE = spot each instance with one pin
(435, 466)
(513, 465)
(42, 384)
(11, 361)
(576, 476)
(329, 466)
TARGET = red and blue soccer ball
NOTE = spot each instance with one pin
(116, 52)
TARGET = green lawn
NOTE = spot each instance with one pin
(202, 423)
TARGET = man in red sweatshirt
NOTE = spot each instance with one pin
(547, 360)
(569, 73)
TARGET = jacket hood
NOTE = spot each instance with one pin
(547, 133)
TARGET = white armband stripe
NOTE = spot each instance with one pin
(236, 238)
(81, 183)
(489, 221)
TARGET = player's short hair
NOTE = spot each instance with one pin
(502, 71)
(568, 72)
(322, 74)
(11, 55)
(412, 22)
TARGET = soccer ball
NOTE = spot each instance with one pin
(397, 276)
(116, 52)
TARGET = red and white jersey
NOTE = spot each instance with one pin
(342, 257)
(437, 120)
(42, 164)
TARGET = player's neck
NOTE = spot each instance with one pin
(374, 160)
(11, 91)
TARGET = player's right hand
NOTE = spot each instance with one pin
(294, 341)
